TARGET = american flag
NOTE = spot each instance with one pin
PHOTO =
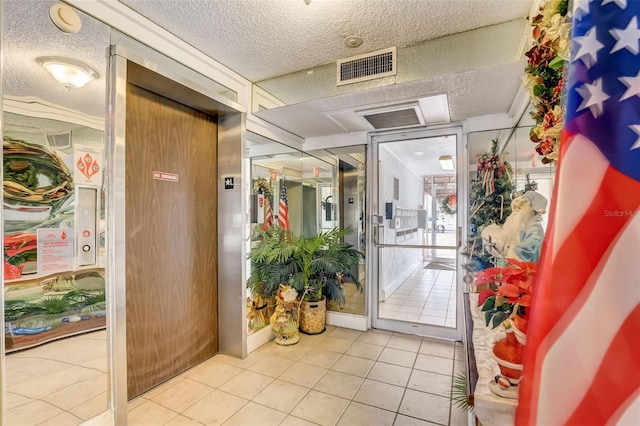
(283, 207)
(582, 357)
(268, 215)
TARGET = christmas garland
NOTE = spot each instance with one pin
(448, 204)
(261, 186)
(545, 76)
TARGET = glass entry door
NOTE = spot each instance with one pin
(416, 232)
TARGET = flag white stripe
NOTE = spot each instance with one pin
(568, 369)
(631, 415)
(584, 163)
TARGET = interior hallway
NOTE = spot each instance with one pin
(339, 377)
(427, 296)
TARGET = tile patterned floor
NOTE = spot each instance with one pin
(427, 296)
(340, 377)
(62, 383)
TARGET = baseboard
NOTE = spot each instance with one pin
(259, 338)
(388, 291)
(355, 322)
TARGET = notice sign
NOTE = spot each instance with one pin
(87, 165)
(55, 250)
(228, 183)
(171, 177)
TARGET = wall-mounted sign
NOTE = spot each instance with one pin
(228, 183)
(87, 165)
(170, 177)
(55, 250)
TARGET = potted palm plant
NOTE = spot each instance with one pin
(267, 273)
(314, 266)
(321, 264)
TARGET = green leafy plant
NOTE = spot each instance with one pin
(51, 305)
(459, 392)
(314, 266)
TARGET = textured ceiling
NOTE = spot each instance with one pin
(28, 34)
(468, 49)
(261, 39)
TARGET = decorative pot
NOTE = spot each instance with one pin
(257, 313)
(333, 305)
(271, 306)
(508, 354)
(520, 329)
(313, 316)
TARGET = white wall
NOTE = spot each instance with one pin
(396, 264)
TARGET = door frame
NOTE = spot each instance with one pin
(179, 83)
(373, 258)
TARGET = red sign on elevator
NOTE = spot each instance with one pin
(171, 177)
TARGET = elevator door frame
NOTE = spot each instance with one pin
(174, 84)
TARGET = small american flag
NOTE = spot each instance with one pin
(582, 357)
(283, 207)
(268, 215)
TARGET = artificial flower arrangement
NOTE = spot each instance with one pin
(545, 76)
(505, 304)
(509, 292)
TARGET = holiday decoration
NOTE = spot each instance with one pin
(448, 204)
(545, 77)
(490, 203)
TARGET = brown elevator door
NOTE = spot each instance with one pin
(171, 242)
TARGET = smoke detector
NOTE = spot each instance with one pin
(65, 18)
(353, 41)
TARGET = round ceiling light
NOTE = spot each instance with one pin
(353, 41)
(71, 73)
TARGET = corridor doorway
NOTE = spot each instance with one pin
(417, 232)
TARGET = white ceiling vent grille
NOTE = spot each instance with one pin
(369, 66)
(394, 116)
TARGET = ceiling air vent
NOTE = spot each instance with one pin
(367, 67)
(393, 116)
(60, 140)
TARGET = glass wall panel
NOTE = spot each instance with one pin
(53, 208)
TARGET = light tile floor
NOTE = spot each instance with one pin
(339, 377)
(427, 296)
(61, 383)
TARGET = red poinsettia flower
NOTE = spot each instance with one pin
(515, 286)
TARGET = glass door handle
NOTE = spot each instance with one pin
(378, 224)
(459, 237)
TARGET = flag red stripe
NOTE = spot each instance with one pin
(577, 258)
(616, 379)
(579, 254)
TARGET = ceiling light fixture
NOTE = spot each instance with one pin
(71, 73)
(446, 161)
